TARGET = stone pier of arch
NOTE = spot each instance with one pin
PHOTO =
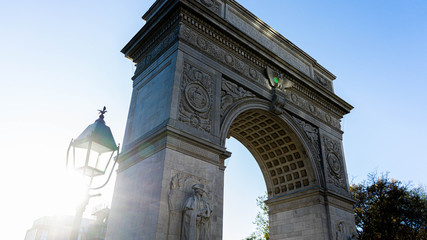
(204, 72)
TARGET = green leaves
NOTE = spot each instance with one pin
(387, 209)
(261, 221)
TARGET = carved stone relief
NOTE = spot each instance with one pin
(228, 58)
(234, 18)
(232, 56)
(312, 132)
(231, 93)
(344, 232)
(312, 109)
(147, 58)
(277, 105)
(158, 40)
(323, 81)
(196, 98)
(197, 212)
(334, 163)
(186, 194)
(211, 5)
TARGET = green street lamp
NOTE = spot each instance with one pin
(92, 152)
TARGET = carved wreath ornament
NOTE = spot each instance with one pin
(334, 161)
(196, 98)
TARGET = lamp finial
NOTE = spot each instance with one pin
(102, 112)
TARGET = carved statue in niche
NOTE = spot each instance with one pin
(196, 216)
(342, 233)
(181, 189)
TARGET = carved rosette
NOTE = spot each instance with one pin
(334, 163)
(231, 93)
(196, 98)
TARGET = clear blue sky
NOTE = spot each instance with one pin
(61, 60)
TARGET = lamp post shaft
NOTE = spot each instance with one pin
(78, 219)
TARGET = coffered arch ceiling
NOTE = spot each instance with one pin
(281, 155)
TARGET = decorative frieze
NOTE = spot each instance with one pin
(231, 93)
(196, 98)
(157, 37)
(242, 61)
(226, 57)
(312, 109)
(147, 58)
(248, 28)
(335, 163)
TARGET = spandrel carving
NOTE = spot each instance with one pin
(231, 93)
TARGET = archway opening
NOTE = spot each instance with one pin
(243, 183)
(278, 153)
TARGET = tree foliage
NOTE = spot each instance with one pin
(388, 209)
(384, 209)
(261, 221)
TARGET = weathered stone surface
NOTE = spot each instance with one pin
(200, 78)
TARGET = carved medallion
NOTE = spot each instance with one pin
(202, 43)
(253, 73)
(196, 98)
(334, 163)
(334, 160)
(229, 59)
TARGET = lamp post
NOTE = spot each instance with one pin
(92, 152)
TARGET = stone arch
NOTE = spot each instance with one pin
(178, 123)
(280, 148)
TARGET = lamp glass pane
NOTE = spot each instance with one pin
(95, 165)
